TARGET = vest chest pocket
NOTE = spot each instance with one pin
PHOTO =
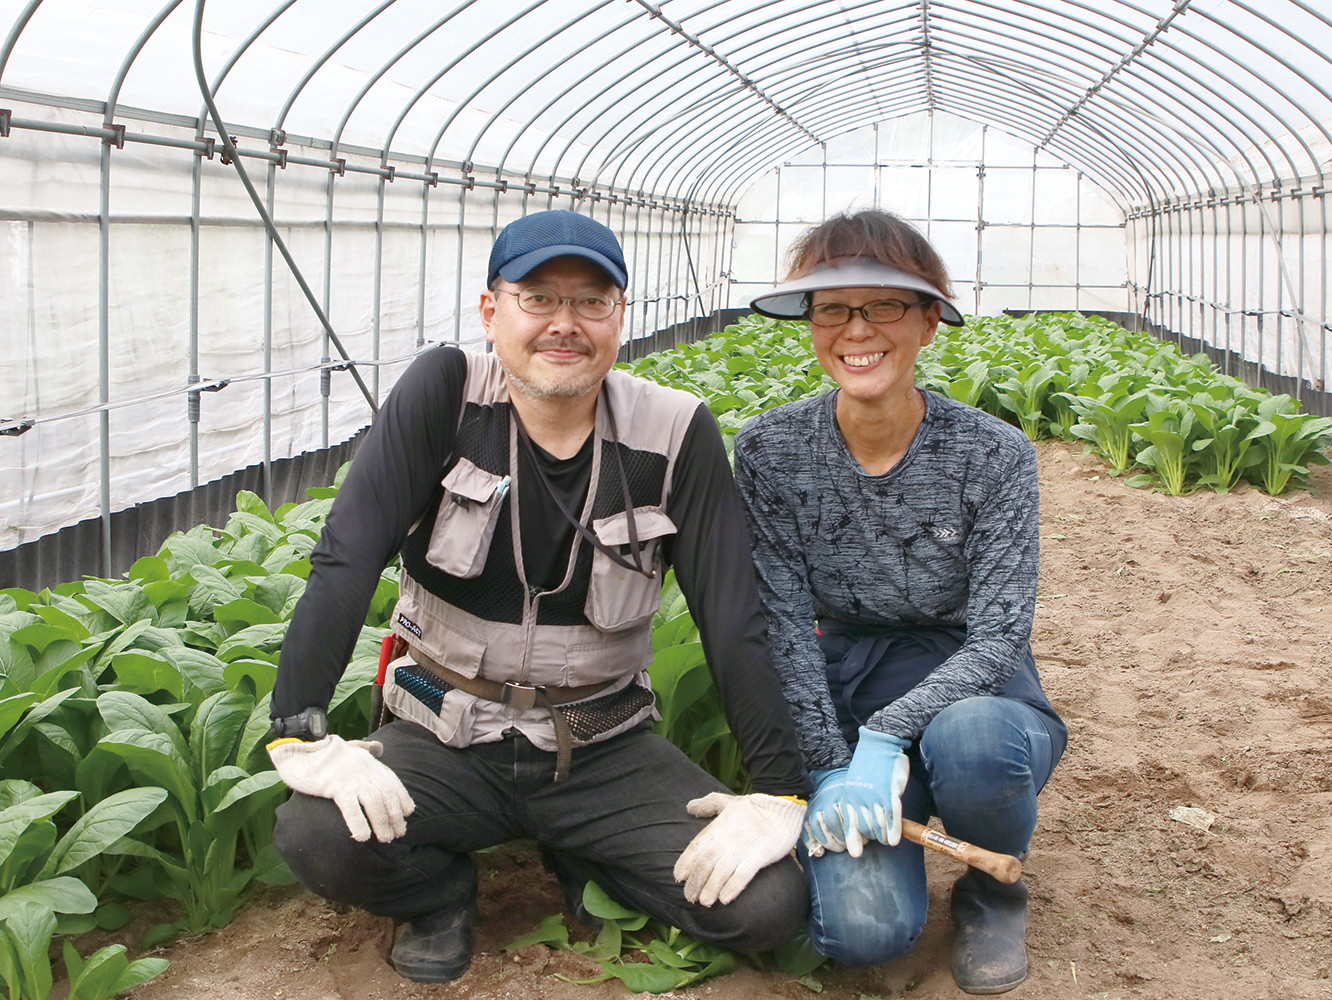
(619, 598)
(465, 524)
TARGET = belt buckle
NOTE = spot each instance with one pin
(520, 696)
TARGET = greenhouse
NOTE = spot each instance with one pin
(1161, 161)
(227, 229)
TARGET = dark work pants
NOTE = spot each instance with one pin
(619, 820)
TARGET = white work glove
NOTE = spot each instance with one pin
(369, 795)
(750, 832)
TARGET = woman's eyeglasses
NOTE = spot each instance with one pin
(884, 311)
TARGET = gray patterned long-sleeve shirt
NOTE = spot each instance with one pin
(948, 537)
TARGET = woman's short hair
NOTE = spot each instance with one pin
(873, 234)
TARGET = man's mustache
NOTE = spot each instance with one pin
(562, 344)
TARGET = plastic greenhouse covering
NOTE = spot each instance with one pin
(1164, 160)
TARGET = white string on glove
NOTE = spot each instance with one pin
(369, 795)
(750, 832)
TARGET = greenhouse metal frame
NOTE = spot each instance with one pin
(389, 142)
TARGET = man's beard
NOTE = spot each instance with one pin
(574, 386)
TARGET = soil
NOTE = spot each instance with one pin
(1186, 641)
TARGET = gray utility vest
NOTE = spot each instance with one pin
(465, 601)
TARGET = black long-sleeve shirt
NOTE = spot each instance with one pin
(393, 481)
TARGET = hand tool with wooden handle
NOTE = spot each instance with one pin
(1004, 867)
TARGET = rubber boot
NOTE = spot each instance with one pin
(437, 947)
(990, 917)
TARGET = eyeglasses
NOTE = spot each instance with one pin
(885, 311)
(544, 302)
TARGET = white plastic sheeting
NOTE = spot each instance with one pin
(409, 131)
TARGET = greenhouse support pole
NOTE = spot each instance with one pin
(192, 399)
(1216, 273)
(660, 238)
(1031, 235)
(1200, 268)
(421, 271)
(634, 277)
(1322, 316)
(104, 351)
(326, 375)
(980, 222)
(378, 290)
(1262, 289)
(457, 277)
(1077, 241)
(1244, 296)
(271, 200)
(1230, 281)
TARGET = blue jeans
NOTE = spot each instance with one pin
(978, 767)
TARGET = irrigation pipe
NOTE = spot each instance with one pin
(230, 153)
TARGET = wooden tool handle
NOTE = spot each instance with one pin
(1004, 867)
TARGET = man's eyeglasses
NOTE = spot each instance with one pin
(544, 302)
(884, 311)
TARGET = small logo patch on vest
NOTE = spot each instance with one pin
(409, 625)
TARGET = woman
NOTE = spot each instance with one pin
(905, 525)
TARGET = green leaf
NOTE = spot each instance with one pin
(279, 593)
(664, 954)
(270, 869)
(101, 826)
(185, 553)
(798, 956)
(39, 637)
(153, 759)
(125, 602)
(201, 669)
(216, 727)
(12, 709)
(138, 972)
(550, 931)
(256, 728)
(244, 612)
(252, 503)
(27, 930)
(599, 903)
(147, 673)
(159, 934)
(607, 945)
(112, 916)
(126, 710)
(265, 638)
(640, 977)
(150, 569)
(261, 676)
(57, 895)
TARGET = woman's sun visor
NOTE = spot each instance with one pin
(789, 299)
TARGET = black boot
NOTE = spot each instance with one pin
(437, 947)
(990, 917)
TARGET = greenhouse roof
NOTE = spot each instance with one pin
(692, 99)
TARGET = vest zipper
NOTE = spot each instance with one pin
(530, 605)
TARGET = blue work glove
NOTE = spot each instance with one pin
(823, 822)
(861, 802)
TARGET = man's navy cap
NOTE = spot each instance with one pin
(527, 243)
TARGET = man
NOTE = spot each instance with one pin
(536, 497)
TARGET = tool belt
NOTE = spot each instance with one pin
(583, 721)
